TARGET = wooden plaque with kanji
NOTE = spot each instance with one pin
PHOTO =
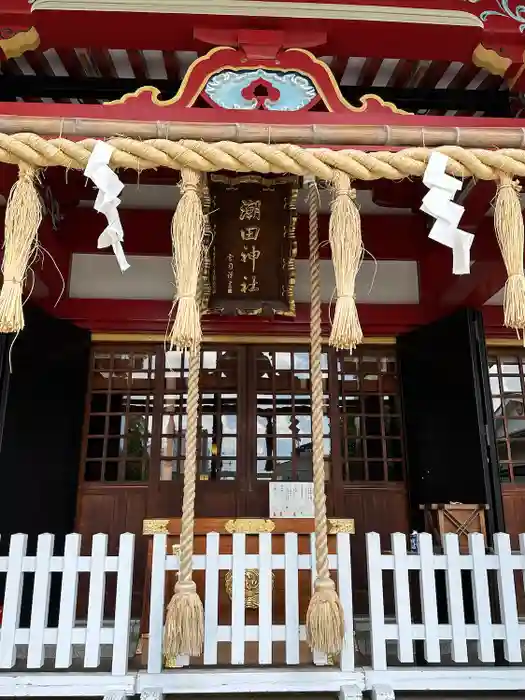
(249, 267)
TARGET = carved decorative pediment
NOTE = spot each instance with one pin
(294, 81)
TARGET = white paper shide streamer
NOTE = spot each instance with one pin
(438, 204)
(107, 201)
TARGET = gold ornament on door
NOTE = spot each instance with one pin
(251, 587)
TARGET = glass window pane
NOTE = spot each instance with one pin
(368, 402)
(121, 415)
(218, 406)
(283, 421)
(283, 360)
(508, 403)
(93, 471)
(95, 448)
(229, 423)
(509, 364)
(111, 471)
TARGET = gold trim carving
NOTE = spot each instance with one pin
(249, 526)
(490, 60)
(504, 342)
(266, 183)
(341, 525)
(155, 527)
(175, 550)
(171, 662)
(251, 587)
(289, 234)
(249, 339)
(16, 45)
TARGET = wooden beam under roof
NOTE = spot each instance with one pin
(493, 103)
(385, 237)
(151, 316)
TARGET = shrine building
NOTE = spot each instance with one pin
(262, 272)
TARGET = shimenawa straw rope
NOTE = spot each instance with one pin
(483, 164)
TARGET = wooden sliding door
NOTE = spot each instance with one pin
(222, 438)
(255, 426)
(279, 432)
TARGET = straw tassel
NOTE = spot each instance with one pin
(325, 626)
(23, 217)
(184, 625)
(187, 232)
(347, 254)
(508, 223)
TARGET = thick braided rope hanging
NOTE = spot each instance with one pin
(325, 626)
(39, 152)
(184, 629)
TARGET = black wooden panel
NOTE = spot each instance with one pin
(5, 344)
(42, 431)
(448, 416)
(39, 457)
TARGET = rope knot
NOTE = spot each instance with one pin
(324, 584)
(186, 187)
(26, 172)
(12, 280)
(345, 192)
(511, 184)
(185, 587)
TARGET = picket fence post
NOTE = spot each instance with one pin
(121, 633)
(68, 602)
(156, 603)
(12, 600)
(376, 604)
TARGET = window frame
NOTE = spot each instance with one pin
(246, 450)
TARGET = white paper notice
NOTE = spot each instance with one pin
(291, 499)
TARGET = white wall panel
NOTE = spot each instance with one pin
(97, 276)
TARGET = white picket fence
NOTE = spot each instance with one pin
(390, 641)
(92, 633)
(266, 632)
(457, 633)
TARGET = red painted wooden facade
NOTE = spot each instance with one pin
(365, 46)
